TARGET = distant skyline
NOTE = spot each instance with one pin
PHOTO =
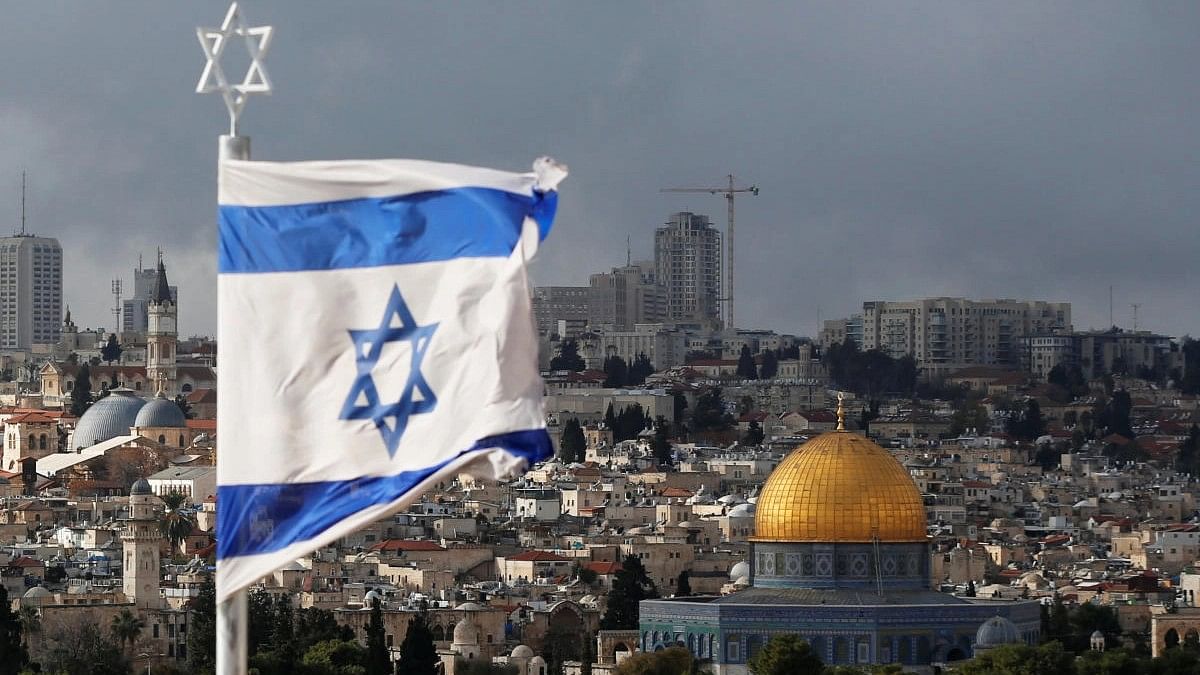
(1025, 150)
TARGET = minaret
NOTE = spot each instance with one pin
(162, 335)
(141, 540)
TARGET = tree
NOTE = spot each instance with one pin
(335, 657)
(572, 446)
(1189, 381)
(968, 415)
(660, 445)
(418, 655)
(81, 396)
(111, 351)
(674, 660)
(1045, 659)
(640, 369)
(13, 654)
(127, 627)
(746, 368)
(754, 434)
(80, 647)
(710, 413)
(630, 586)
(202, 633)
(786, 655)
(377, 662)
(616, 372)
(315, 625)
(175, 524)
(1188, 458)
(770, 365)
(1026, 423)
(683, 586)
(568, 357)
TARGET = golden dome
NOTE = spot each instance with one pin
(839, 487)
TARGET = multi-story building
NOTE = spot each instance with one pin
(664, 346)
(135, 317)
(30, 291)
(836, 331)
(626, 296)
(947, 334)
(561, 310)
(1100, 352)
(687, 262)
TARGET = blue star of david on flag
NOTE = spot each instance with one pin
(362, 403)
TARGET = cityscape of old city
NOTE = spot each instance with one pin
(860, 339)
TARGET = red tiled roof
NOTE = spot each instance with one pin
(26, 561)
(202, 425)
(35, 417)
(675, 492)
(539, 556)
(604, 567)
(202, 396)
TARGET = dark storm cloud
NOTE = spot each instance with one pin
(903, 150)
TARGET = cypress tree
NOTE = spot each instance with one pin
(418, 655)
(630, 586)
(13, 655)
(378, 662)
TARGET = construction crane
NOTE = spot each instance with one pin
(730, 194)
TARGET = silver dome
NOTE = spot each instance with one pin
(997, 631)
(109, 417)
(160, 412)
(141, 487)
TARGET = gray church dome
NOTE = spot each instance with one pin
(108, 418)
(997, 631)
(141, 487)
(160, 412)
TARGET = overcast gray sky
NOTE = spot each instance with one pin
(1004, 149)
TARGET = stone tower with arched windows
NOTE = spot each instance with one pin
(162, 336)
(141, 542)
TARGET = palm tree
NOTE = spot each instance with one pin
(127, 627)
(176, 525)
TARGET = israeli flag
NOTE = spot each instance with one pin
(376, 338)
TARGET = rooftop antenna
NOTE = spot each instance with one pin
(139, 261)
(22, 202)
(628, 252)
(1111, 322)
(1135, 306)
(116, 291)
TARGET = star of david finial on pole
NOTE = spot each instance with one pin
(213, 41)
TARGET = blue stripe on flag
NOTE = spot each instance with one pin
(375, 231)
(253, 519)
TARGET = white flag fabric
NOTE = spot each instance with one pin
(376, 337)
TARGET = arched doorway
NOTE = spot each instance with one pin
(1191, 640)
(1171, 639)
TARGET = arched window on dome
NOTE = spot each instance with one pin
(181, 441)
(186, 388)
(439, 635)
(42, 440)
(32, 442)
(162, 440)
(137, 385)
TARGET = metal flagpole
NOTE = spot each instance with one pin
(232, 614)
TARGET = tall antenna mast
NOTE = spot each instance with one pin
(1111, 322)
(116, 291)
(628, 252)
(22, 202)
(1135, 306)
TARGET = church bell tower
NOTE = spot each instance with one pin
(162, 336)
